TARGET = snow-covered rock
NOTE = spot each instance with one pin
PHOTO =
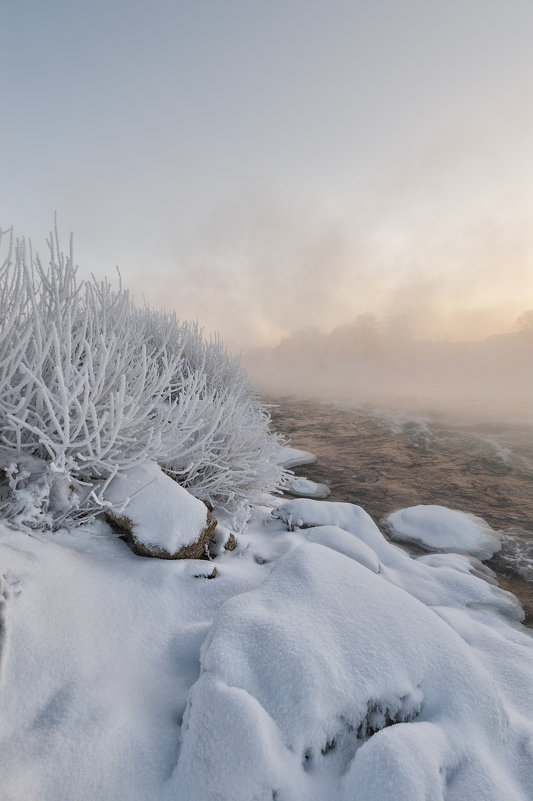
(306, 513)
(442, 529)
(163, 519)
(294, 457)
(306, 488)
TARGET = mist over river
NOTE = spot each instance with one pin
(384, 460)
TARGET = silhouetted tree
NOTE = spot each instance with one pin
(524, 324)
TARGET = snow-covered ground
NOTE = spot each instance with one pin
(321, 662)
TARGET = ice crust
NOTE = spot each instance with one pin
(322, 662)
(440, 528)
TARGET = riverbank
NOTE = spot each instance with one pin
(384, 461)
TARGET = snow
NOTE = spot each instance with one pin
(321, 662)
(162, 514)
(440, 528)
(297, 674)
(307, 488)
(341, 541)
(353, 519)
(447, 579)
(294, 457)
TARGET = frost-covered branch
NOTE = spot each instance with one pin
(92, 385)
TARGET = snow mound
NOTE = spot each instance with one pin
(341, 541)
(450, 580)
(307, 488)
(327, 681)
(305, 513)
(443, 529)
(322, 662)
(294, 457)
(163, 515)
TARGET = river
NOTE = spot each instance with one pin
(383, 459)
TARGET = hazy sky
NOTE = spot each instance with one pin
(265, 165)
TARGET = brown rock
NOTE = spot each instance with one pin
(210, 575)
(231, 543)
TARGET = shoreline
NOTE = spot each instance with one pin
(509, 581)
(382, 470)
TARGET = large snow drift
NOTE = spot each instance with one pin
(321, 662)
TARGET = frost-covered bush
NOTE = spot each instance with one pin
(226, 452)
(90, 385)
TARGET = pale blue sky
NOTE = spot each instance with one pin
(267, 165)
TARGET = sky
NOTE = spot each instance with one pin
(263, 166)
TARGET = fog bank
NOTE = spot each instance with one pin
(380, 362)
